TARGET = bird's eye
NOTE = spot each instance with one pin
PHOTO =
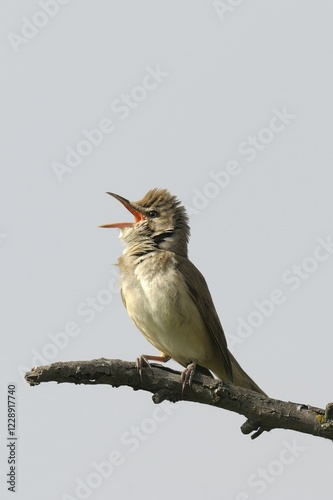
(152, 214)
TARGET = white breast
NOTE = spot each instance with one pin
(159, 304)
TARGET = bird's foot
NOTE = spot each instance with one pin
(142, 362)
(187, 375)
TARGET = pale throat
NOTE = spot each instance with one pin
(138, 241)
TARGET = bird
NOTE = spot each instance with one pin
(166, 296)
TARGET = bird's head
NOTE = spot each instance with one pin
(159, 221)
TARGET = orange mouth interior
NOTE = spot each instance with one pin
(120, 225)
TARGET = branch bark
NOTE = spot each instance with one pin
(262, 413)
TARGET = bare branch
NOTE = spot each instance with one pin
(262, 413)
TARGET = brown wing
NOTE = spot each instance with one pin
(202, 298)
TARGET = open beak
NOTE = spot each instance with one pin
(137, 215)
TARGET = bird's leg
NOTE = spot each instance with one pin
(143, 360)
(187, 375)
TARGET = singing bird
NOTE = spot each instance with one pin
(166, 296)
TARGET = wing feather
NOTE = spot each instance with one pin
(202, 298)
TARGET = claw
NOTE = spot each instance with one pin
(142, 362)
(187, 375)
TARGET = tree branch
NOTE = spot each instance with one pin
(262, 413)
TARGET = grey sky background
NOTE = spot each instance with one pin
(230, 107)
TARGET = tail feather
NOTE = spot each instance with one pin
(241, 378)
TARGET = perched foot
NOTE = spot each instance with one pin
(187, 375)
(142, 362)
